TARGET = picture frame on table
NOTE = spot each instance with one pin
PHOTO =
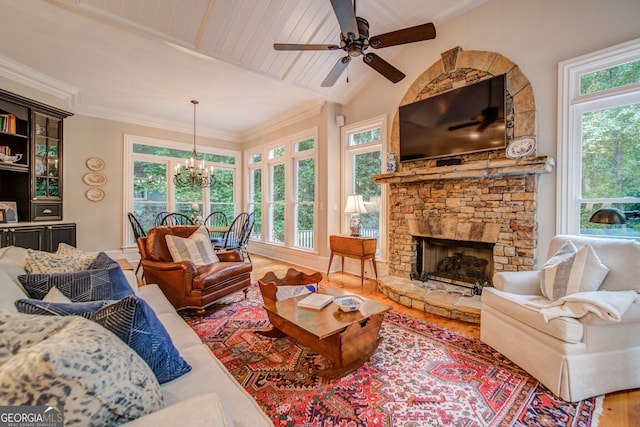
(3, 216)
(11, 211)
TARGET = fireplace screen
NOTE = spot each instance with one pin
(456, 262)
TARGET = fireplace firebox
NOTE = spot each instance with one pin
(463, 263)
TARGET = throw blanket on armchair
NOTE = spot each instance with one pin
(607, 305)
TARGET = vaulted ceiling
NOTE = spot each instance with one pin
(143, 60)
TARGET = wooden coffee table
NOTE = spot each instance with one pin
(347, 339)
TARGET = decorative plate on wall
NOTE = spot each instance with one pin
(95, 194)
(94, 178)
(521, 147)
(95, 163)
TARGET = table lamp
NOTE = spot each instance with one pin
(355, 206)
(613, 216)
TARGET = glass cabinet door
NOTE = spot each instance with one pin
(46, 156)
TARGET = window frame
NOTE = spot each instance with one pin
(348, 153)
(571, 106)
(289, 160)
(130, 158)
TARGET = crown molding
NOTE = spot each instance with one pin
(29, 77)
(262, 130)
(153, 122)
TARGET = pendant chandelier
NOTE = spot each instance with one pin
(192, 173)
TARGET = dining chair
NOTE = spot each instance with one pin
(138, 231)
(216, 220)
(244, 241)
(176, 218)
(233, 238)
(159, 217)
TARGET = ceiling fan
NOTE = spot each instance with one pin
(486, 118)
(354, 40)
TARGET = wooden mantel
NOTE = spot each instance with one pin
(491, 168)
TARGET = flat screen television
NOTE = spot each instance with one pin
(460, 121)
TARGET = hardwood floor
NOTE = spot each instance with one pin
(620, 409)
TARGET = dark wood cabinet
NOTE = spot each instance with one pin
(31, 157)
(38, 236)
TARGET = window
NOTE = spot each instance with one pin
(363, 157)
(599, 142)
(304, 166)
(149, 182)
(286, 181)
(255, 193)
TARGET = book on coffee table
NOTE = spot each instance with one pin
(315, 301)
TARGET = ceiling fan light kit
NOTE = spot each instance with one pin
(354, 40)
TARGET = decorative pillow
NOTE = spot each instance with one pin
(86, 285)
(570, 270)
(102, 260)
(135, 323)
(196, 248)
(46, 262)
(84, 258)
(72, 363)
(84, 309)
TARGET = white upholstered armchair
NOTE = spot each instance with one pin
(581, 345)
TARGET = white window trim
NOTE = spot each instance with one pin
(288, 159)
(130, 157)
(570, 106)
(381, 122)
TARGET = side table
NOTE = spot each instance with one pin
(362, 248)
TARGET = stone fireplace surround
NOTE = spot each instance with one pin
(487, 198)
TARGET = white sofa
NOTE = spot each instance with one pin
(575, 358)
(206, 396)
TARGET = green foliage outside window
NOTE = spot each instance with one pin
(620, 75)
(610, 149)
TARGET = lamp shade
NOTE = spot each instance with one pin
(608, 216)
(355, 204)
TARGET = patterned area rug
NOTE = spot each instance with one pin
(420, 375)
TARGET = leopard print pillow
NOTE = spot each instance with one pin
(85, 259)
(74, 363)
(46, 262)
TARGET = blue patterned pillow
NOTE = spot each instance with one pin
(102, 260)
(135, 323)
(84, 309)
(130, 319)
(103, 280)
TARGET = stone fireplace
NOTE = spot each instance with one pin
(488, 200)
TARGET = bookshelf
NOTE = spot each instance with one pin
(31, 143)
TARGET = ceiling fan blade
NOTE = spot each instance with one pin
(383, 67)
(346, 18)
(336, 71)
(406, 35)
(463, 125)
(293, 46)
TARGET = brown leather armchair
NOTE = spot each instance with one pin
(184, 284)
